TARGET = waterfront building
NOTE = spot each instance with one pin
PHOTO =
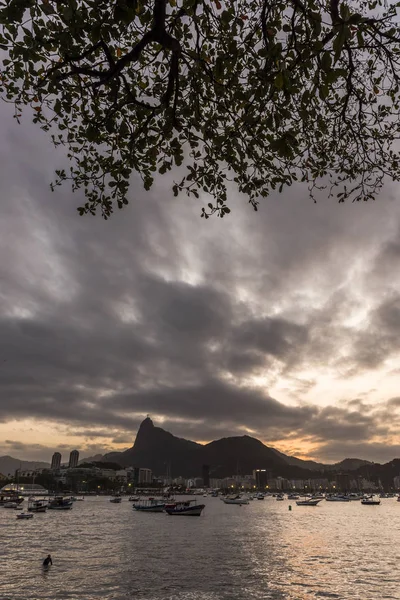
(206, 476)
(56, 461)
(25, 489)
(73, 459)
(179, 481)
(261, 477)
(215, 483)
(145, 476)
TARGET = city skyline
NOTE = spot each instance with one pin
(281, 324)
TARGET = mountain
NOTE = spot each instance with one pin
(92, 459)
(160, 451)
(164, 453)
(298, 462)
(10, 465)
(350, 464)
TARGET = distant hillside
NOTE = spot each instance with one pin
(164, 453)
(92, 459)
(298, 462)
(10, 465)
(350, 464)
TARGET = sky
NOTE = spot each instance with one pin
(283, 324)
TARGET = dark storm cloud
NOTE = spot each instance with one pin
(157, 312)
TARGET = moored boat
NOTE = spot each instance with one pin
(10, 505)
(370, 501)
(235, 500)
(150, 505)
(37, 506)
(7, 498)
(116, 499)
(280, 497)
(186, 507)
(337, 498)
(60, 503)
(293, 497)
(25, 516)
(308, 502)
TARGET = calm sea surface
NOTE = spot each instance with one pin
(263, 550)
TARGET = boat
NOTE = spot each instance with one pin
(134, 498)
(60, 503)
(371, 501)
(308, 502)
(37, 506)
(398, 499)
(337, 498)
(25, 516)
(10, 505)
(280, 497)
(150, 505)
(293, 497)
(6, 498)
(116, 499)
(260, 496)
(235, 500)
(354, 496)
(189, 508)
(80, 499)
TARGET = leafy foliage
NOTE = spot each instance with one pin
(258, 92)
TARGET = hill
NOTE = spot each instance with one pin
(8, 464)
(164, 453)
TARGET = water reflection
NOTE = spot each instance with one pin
(101, 550)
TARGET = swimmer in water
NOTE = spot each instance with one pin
(47, 561)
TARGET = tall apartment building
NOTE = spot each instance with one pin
(73, 459)
(56, 461)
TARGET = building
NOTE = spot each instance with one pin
(261, 477)
(25, 489)
(73, 459)
(206, 476)
(56, 461)
(145, 476)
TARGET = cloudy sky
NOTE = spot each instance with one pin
(282, 324)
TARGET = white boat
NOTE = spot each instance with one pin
(150, 505)
(116, 499)
(280, 497)
(25, 516)
(308, 502)
(235, 500)
(10, 505)
(371, 501)
(260, 496)
(134, 498)
(337, 498)
(37, 506)
(293, 497)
